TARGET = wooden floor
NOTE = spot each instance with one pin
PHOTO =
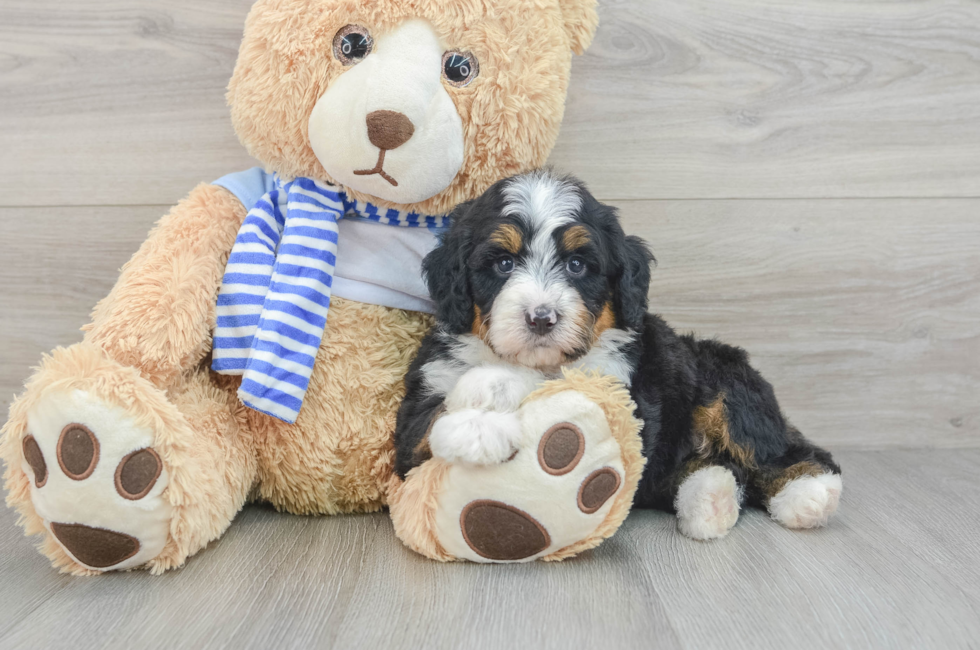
(897, 568)
(808, 174)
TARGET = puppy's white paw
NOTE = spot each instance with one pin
(707, 503)
(807, 501)
(474, 436)
(493, 388)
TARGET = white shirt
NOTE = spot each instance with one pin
(377, 264)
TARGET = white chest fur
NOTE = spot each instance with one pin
(468, 352)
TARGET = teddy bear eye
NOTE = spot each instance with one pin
(352, 44)
(459, 68)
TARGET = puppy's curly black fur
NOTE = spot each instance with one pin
(539, 274)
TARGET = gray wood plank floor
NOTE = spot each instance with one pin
(808, 173)
(676, 99)
(897, 568)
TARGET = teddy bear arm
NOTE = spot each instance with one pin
(159, 316)
(569, 485)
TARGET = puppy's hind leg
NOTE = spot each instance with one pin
(798, 483)
(710, 486)
(800, 489)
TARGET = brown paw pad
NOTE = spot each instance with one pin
(597, 488)
(497, 531)
(78, 451)
(137, 473)
(35, 458)
(561, 448)
(95, 547)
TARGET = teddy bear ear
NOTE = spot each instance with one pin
(581, 21)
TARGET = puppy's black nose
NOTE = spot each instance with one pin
(542, 320)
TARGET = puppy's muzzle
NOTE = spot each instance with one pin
(542, 320)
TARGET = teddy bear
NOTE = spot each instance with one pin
(254, 348)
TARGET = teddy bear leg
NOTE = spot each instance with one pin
(569, 485)
(115, 473)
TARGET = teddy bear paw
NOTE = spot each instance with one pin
(96, 481)
(555, 491)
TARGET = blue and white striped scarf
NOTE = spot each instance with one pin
(273, 302)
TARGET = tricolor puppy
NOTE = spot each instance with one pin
(536, 275)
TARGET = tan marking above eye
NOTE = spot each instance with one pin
(575, 237)
(508, 237)
(35, 458)
(78, 451)
(137, 473)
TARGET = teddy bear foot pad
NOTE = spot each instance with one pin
(97, 483)
(555, 491)
(501, 532)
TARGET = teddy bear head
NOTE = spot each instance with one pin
(414, 104)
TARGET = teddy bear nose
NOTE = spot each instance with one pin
(389, 129)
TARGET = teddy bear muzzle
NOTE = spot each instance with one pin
(387, 130)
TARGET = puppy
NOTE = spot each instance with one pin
(536, 275)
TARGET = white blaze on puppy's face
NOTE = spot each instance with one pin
(543, 204)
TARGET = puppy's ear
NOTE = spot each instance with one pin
(446, 275)
(633, 283)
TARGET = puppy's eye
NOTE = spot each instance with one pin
(576, 266)
(459, 68)
(504, 265)
(352, 44)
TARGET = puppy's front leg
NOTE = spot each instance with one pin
(481, 426)
(474, 436)
(493, 388)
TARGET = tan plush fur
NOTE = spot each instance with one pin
(581, 21)
(147, 347)
(338, 456)
(158, 317)
(511, 114)
(614, 399)
(209, 456)
(414, 502)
